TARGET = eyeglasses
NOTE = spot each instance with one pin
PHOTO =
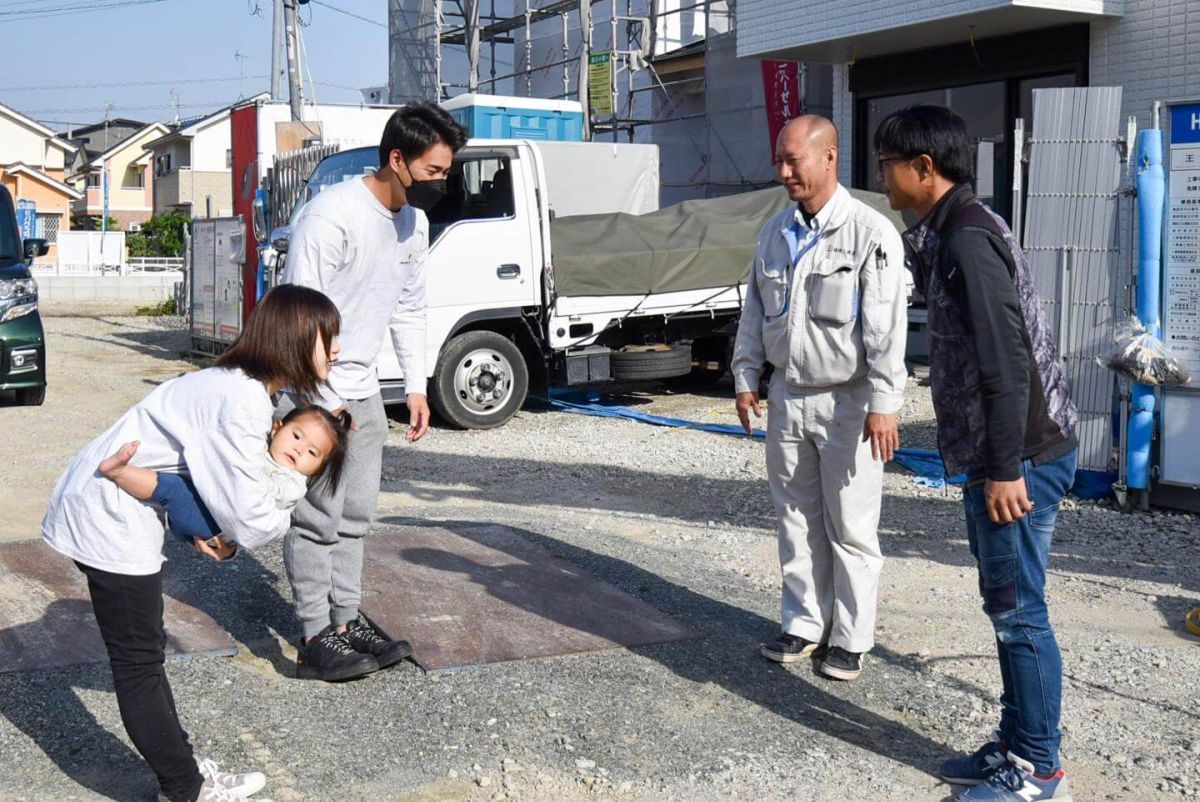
(883, 162)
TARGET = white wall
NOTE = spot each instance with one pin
(1147, 52)
(1152, 52)
(21, 144)
(767, 25)
(353, 126)
(209, 146)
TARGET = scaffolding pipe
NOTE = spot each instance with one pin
(566, 52)
(585, 32)
(437, 49)
(471, 21)
(518, 73)
(612, 84)
(528, 50)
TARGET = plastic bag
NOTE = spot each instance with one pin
(1139, 355)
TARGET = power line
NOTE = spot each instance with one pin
(129, 83)
(62, 11)
(348, 13)
(209, 105)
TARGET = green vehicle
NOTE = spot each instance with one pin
(22, 340)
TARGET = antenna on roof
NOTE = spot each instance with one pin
(241, 60)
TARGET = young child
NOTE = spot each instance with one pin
(307, 445)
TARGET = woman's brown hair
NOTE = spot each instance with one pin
(276, 345)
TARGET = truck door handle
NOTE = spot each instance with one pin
(508, 271)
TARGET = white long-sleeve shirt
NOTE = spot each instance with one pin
(371, 262)
(212, 425)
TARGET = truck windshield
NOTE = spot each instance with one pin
(10, 236)
(334, 170)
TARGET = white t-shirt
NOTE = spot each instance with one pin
(288, 485)
(211, 425)
(371, 262)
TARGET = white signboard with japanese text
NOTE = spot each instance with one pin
(1181, 297)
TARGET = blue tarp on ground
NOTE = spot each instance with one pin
(927, 465)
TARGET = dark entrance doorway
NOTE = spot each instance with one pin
(989, 82)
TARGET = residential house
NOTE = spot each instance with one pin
(130, 182)
(92, 140)
(193, 167)
(33, 166)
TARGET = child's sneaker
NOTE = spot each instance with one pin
(975, 768)
(242, 785)
(1016, 782)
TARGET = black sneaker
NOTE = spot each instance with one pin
(329, 656)
(841, 664)
(365, 639)
(788, 648)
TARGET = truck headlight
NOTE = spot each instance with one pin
(17, 288)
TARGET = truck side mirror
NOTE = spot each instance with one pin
(36, 247)
(258, 216)
(279, 238)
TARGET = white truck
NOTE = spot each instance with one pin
(508, 315)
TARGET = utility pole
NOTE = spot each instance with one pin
(277, 67)
(295, 90)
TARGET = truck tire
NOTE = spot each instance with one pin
(645, 362)
(481, 380)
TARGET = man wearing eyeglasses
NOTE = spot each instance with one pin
(825, 307)
(1006, 420)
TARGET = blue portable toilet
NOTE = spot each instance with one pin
(507, 117)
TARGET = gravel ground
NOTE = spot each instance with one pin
(682, 520)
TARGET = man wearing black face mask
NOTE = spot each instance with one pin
(363, 243)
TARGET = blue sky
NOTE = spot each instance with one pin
(180, 45)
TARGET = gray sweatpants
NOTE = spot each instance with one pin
(323, 551)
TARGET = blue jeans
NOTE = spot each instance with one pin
(187, 516)
(1012, 562)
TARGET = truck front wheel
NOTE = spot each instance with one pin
(480, 382)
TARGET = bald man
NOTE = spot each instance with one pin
(825, 306)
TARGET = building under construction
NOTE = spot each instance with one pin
(675, 79)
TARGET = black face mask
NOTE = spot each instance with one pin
(424, 195)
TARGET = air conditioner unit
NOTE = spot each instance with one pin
(134, 227)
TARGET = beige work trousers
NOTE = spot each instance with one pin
(827, 490)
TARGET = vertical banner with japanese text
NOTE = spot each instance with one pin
(781, 88)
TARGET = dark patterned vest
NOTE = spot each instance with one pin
(953, 361)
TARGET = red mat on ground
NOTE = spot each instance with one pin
(485, 594)
(46, 616)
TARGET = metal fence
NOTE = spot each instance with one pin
(1072, 240)
(132, 266)
(285, 179)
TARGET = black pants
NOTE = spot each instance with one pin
(129, 612)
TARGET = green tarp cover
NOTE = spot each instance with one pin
(694, 245)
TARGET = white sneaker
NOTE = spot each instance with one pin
(239, 785)
(211, 792)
